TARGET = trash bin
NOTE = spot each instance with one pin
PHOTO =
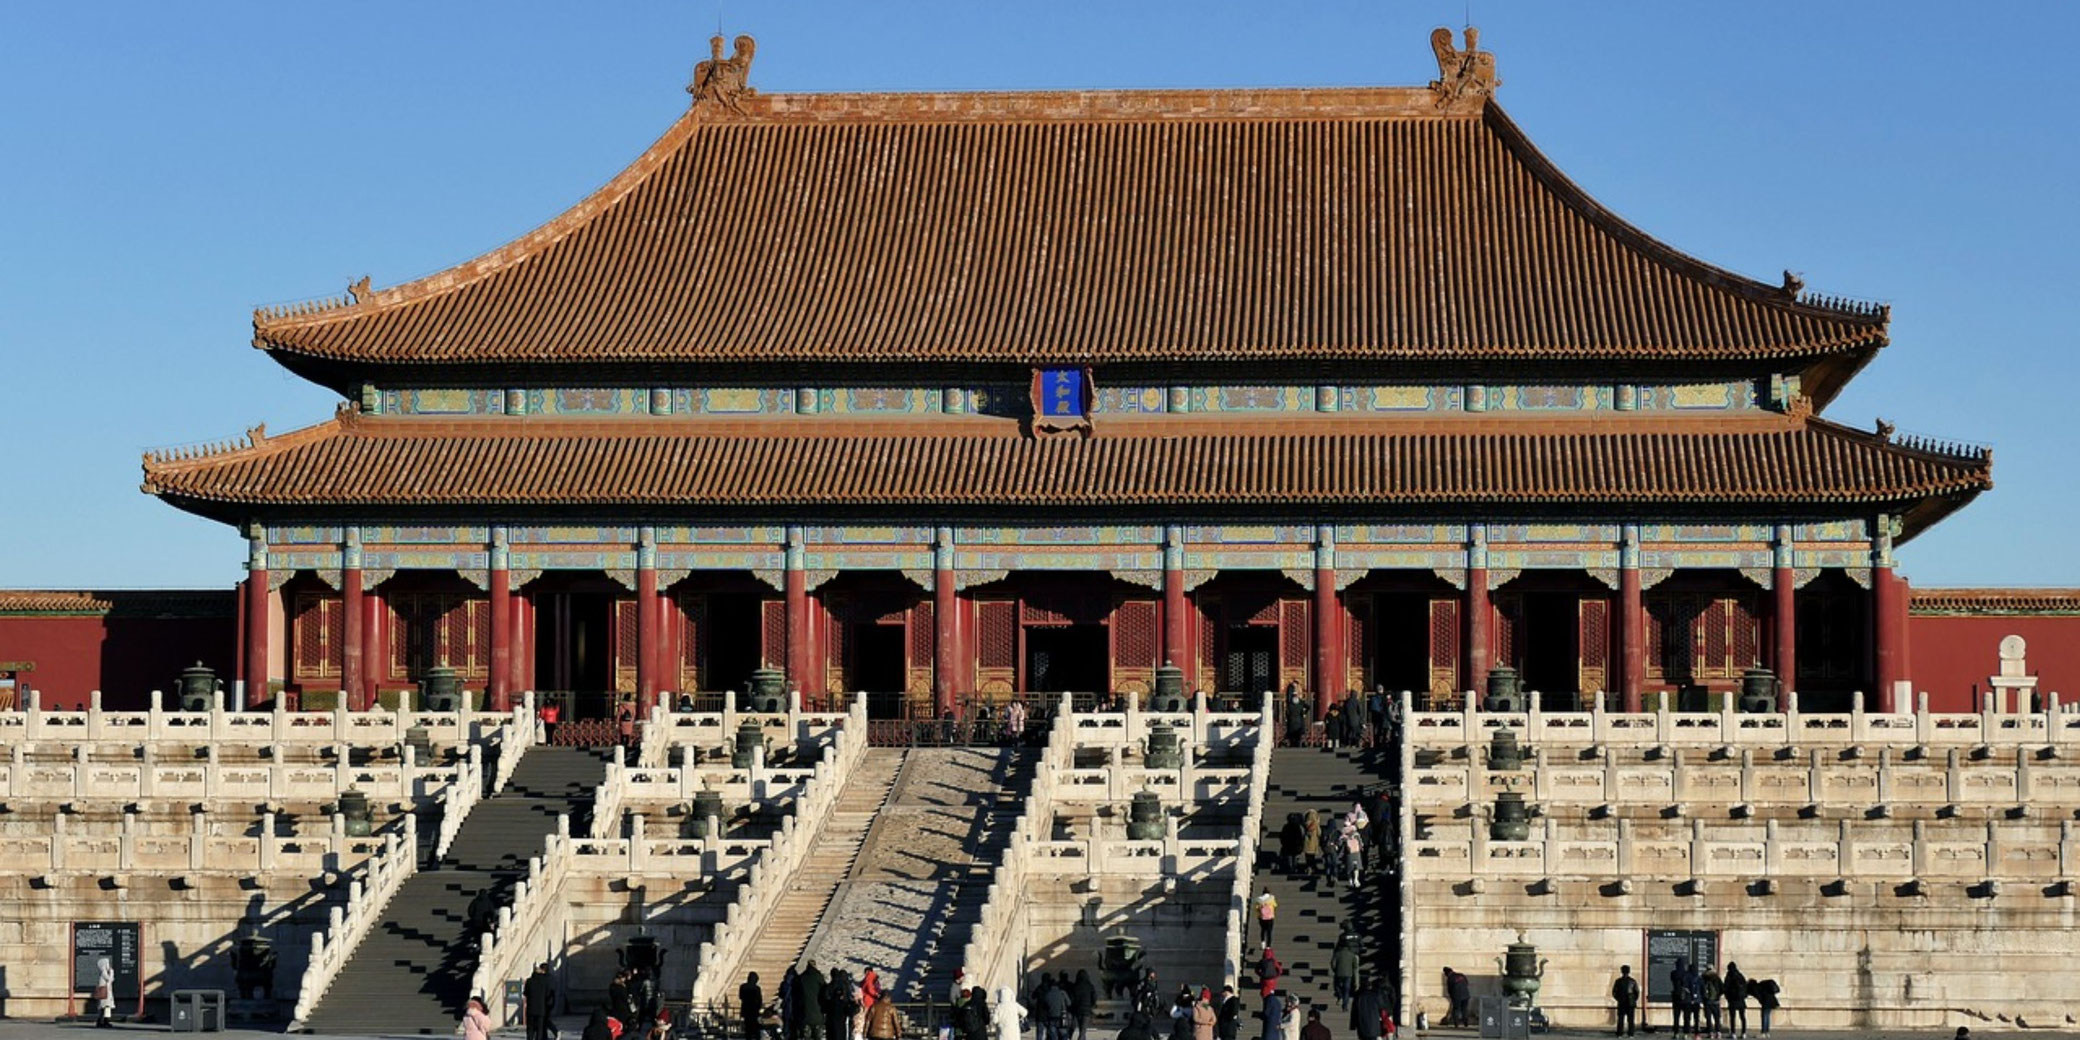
(198, 1011)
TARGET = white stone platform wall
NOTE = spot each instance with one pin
(1911, 870)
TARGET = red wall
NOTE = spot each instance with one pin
(1952, 656)
(125, 653)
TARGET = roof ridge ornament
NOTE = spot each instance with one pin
(360, 292)
(725, 81)
(1462, 75)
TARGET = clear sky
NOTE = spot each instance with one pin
(166, 167)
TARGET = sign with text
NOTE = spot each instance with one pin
(121, 944)
(1061, 393)
(1664, 948)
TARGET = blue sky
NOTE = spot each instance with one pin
(166, 167)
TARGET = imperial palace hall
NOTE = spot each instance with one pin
(944, 397)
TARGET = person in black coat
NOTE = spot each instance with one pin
(751, 1005)
(1227, 1023)
(596, 1028)
(1083, 999)
(1736, 987)
(975, 1020)
(808, 995)
(537, 1001)
(1136, 1027)
(1366, 1011)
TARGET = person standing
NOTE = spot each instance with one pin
(884, 1022)
(1625, 993)
(1765, 992)
(1296, 716)
(1267, 916)
(476, 1020)
(1314, 1029)
(1736, 987)
(1228, 1017)
(1311, 841)
(1710, 989)
(751, 1005)
(1054, 1010)
(1083, 999)
(1343, 969)
(537, 1002)
(977, 1020)
(789, 1007)
(1274, 1016)
(1205, 1020)
(808, 993)
(1679, 998)
(1368, 1012)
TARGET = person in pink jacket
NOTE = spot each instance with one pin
(476, 1020)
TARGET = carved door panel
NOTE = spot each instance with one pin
(693, 624)
(1359, 642)
(1594, 640)
(1296, 643)
(1134, 646)
(626, 645)
(996, 646)
(320, 637)
(922, 636)
(1444, 647)
(772, 626)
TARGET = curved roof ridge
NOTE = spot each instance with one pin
(1781, 297)
(361, 299)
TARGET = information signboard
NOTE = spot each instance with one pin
(1664, 947)
(121, 943)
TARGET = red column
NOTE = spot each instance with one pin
(374, 646)
(1177, 619)
(1632, 638)
(352, 627)
(238, 651)
(1890, 630)
(1328, 682)
(797, 592)
(646, 639)
(946, 671)
(1784, 619)
(499, 689)
(1477, 648)
(256, 632)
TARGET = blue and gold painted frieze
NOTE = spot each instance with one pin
(427, 560)
(1249, 534)
(1043, 560)
(1248, 559)
(1065, 535)
(1548, 558)
(868, 560)
(721, 560)
(1400, 534)
(867, 535)
(1441, 557)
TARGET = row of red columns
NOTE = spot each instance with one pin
(360, 654)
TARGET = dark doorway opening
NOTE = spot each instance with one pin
(875, 666)
(1068, 658)
(573, 649)
(1550, 663)
(1401, 641)
(1252, 664)
(733, 649)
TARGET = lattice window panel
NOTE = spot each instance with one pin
(1596, 633)
(320, 633)
(1295, 638)
(996, 636)
(1712, 625)
(1209, 648)
(1444, 646)
(922, 635)
(1595, 645)
(1134, 634)
(1747, 635)
(1358, 640)
(627, 641)
(772, 632)
(693, 625)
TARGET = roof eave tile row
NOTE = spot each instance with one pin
(1070, 228)
(406, 462)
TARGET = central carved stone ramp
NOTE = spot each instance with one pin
(1311, 910)
(918, 886)
(792, 922)
(412, 973)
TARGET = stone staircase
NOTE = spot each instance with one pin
(792, 922)
(412, 972)
(917, 885)
(1312, 910)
